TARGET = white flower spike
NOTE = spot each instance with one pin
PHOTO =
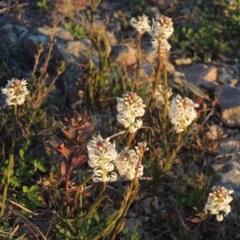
(218, 202)
(182, 112)
(163, 44)
(101, 153)
(162, 28)
(15, 91)
(129, 108)
(103, 175)
(127, 161)
(141, 24)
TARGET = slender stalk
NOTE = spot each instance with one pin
(138, 62)
(130, 139)
(173, 154)
(123, 136)
(78, 191)
(10, 161)
(157, 76)
(165, 110)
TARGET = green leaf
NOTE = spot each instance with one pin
(25, 189)
(21, 153)
(14, 181)
(33, 188)
(41, 167)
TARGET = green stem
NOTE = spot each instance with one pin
(165, 110)
(157, 76)
(79, 192)
(173, 154)
(122, 137)
(10, 161)
(138, 63)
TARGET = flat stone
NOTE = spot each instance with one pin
(31, 43)
(224, 77)
(60, 33)
(229, 101)
(198, 73)
(227, 164)
(183, 61)
(123, 54)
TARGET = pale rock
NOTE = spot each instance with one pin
(199, 73)
(211, 75)
(123, 54)
(60, 33)
(224, 77)
(229, 101)
(183, 61)
(227, 164)
(233, 82)
(32, 42)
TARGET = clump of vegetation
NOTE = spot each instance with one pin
(210, 31)
(96, 171)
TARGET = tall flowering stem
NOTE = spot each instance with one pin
(116, 222)
(160, 31)
(135, 88)
(141, 24)
(157, 75)
(132, 189)
(166, 96)
(15, 91)
(173, 154)
(10, 161)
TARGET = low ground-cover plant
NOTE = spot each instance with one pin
(96, 169)
(221, 19)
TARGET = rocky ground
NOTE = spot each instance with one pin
(23, 27)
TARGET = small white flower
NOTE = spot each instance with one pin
(162, 28)
(101, 174)
(141, 24)
(15, 91)
(218, 202)
(129, 108)
(182, 112)
(134, 126)
(101, 153)
(162, 44)
(128, 160)
(159, 95)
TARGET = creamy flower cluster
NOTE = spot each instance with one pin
(16, 91)
(162, 28)
(129, 107)
(127, 162)
(160, 31)
(159, 95)
(182, 112)
(101, 154)
(103, 158)
(141, 24)
(218, 202)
